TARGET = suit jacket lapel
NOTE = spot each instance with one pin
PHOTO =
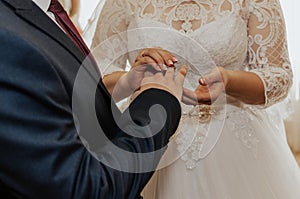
(34, 15)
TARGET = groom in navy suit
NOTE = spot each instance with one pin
(41, 153)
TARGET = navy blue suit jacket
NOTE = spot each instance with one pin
(41, 153)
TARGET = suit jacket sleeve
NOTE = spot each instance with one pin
(41, 153)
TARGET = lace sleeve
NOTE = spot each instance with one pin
(268, 54)
(109, 43)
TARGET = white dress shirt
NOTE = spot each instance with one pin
(44, 5)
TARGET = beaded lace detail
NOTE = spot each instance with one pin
(239, 122)
(237, 34)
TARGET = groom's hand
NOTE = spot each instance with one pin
(148, 62)
(167, 81)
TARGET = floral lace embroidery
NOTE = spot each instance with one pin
(238, 34)
(187, 13)
(190, 144)
(268, 54)
(240, 125)
(192, 155)
(267, 51)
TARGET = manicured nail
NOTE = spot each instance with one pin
(170, 62)
(202, 81)
(174, 59)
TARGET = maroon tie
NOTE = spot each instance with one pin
(66, 24)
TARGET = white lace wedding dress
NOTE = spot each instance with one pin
(229, 150)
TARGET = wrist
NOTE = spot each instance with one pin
(125, 82)
(159, 87)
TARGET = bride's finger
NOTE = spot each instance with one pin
(147, 61)
(153, 53)
(161, 56)
(180, 76)
(169, 58)
(204, 98)
(188, 101)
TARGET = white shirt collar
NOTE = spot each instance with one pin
(43, 4)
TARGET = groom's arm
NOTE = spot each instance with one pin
(134, 168)
(41, 153)
(138, 162)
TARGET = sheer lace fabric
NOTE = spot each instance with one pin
(249, 148)
(267, 54)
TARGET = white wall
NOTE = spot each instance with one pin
(291, 14)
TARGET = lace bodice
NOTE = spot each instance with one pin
(237, 34)
(244, 35)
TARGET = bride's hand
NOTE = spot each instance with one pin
(155, 59)
(211, 86)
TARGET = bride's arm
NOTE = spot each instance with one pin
(109, 44)
(270, 76)
(111, 52)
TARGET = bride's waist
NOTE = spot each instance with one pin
(204, 111)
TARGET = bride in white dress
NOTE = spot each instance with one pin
(232, 150)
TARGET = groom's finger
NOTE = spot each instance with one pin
(170, 73)
(169, 59)
(189, 94)
(148, 73)
(189, 97)
(212, 77)
(189, 101)
(179, 78)
(216, 91)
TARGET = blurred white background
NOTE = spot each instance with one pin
(291, 13)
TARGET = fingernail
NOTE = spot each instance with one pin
(170, 62)
(202, 81)
(174, 59)
(164, 67)
(158, 68)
